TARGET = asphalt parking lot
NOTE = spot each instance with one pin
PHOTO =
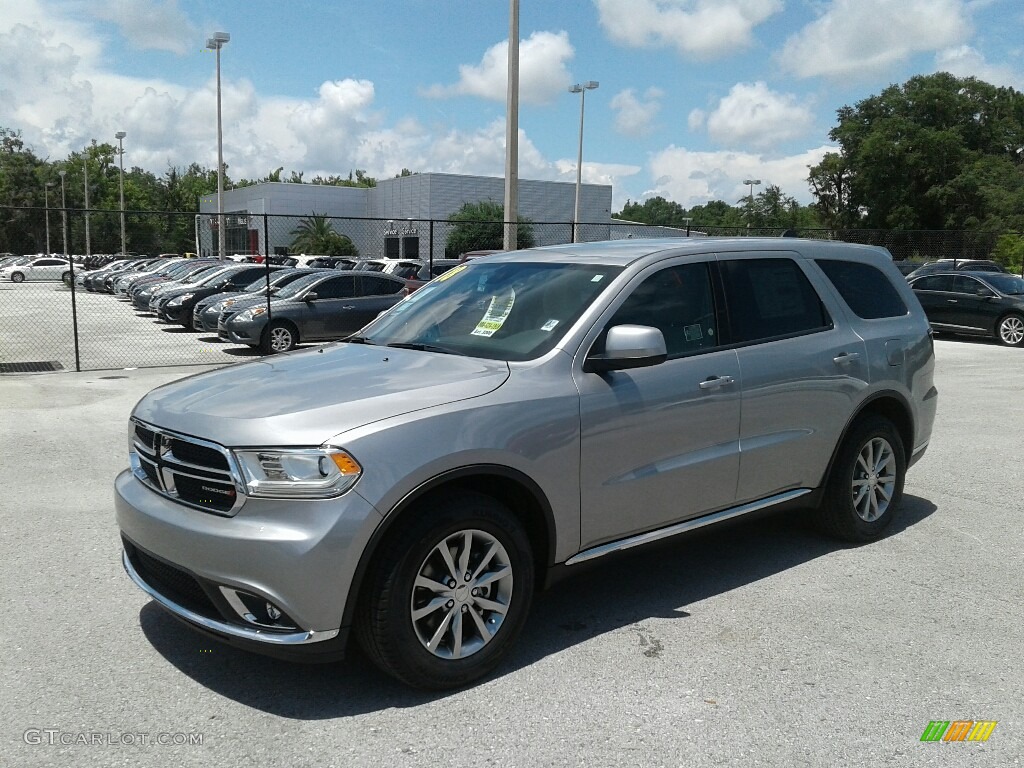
(763, 644)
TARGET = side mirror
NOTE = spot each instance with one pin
(311, 296)
(629, 346)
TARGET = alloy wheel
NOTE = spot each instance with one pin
(1011, 330)
(874, 479)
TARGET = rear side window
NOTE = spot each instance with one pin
(865, 289)
(934, 283)
(770, 298)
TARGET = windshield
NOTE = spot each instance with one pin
(500, 311)
(1008, 284)
(297, 286)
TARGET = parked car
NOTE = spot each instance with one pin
(145, 300)
(176, 306)
(315, 308)
(519, 416)
(943, 265)
(45, 268)
(428, 272)
(208, 311)
(975, 304)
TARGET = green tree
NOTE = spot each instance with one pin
(480, 226)
(315, 235)
(937, 152)
(22, 184)
(654, 210)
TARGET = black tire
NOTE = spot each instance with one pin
(66, 279)
(386, 623)
(1010, 330)
(279, 336)
(17, 277)
(856, 507)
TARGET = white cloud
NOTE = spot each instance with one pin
(695, 178)
(863, 38)
(635, 117)
(543, 75)
(754, 115)
(698, 28)
(149, 24)
(965, 61)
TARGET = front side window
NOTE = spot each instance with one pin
(770, 298)
(680, 303)
(970, 286)
(336, 288)
(864, 288)
(499, 311)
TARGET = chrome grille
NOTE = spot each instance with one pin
(195, 472)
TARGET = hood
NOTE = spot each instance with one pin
(305, 398)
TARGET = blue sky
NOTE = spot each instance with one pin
(695, 95)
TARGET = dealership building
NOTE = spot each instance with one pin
(402, 217)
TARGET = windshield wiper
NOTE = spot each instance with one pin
(420, 347)
(358, 340)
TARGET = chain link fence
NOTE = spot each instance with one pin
(57, 319)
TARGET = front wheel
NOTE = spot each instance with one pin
(1011, 330)
(66, 279)
(17, 277)
(449, 594)
(278, 337)
(865, 486)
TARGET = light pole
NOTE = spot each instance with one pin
(215, 43)
(581, 89)
(751, 183)
(64, 210)
(46, 195)
(85, 176)
(510, 240)
(120, 154)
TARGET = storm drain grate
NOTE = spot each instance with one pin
(42, 367)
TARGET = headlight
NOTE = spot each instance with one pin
(249, 314)
(179, 300)
(302, 473)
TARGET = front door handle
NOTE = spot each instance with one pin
(715, 382)
(844, 358)
(951, 301)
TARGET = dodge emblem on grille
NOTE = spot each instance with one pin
(164, 445)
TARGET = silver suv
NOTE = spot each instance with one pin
(515, 417)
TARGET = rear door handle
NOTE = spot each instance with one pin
(715, 382)
(951, 301)
(845, 358)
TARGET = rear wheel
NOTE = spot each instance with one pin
(448, 594)
(1011, 330)
(17, 277)
(278, 337)
(66, 279)
(866, 484)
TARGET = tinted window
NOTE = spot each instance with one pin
(678, 301)
(934, 283)
(864, 288)
(371, 285)
(336, 288)
(964, 284)
(769, 298)
(1008, 284)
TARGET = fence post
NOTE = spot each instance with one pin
(74, 309)
(430, 265)
(266, 261)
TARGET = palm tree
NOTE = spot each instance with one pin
(314, 234)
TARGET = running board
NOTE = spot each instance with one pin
(688, 525)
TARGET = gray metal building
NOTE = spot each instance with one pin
(401, 209)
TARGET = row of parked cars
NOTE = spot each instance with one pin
(971, 297)
(265, 306)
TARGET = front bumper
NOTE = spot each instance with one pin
(300, 556)
(242, 331)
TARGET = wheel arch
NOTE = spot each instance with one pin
(517, 491)
(889, 405)
(293, 327)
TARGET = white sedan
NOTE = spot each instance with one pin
(45, 268)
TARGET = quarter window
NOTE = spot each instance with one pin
(770, 298)
(679, 302)
(865, 289)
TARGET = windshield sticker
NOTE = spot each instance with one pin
(450, 273)
(549, 325)
(597, 278)
(496, 315)
(693, 332)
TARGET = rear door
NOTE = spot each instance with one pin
(935, 292)
(801, 372)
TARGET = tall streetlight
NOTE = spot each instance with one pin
(85, 183)
(64, 210)
(751, 183)
(46, 196)
(120, 153)
(215, 43)
(581, 89)
(510, 240)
